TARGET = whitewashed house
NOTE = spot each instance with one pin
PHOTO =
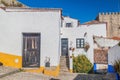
(101, 52)
(77, 36)
(113, 55)
(30, 38)
(36, 38)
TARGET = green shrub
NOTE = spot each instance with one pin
(117, 66)
(81, 64)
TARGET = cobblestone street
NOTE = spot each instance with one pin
(7, 73)
(34, 76)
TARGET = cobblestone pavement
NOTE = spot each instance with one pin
(26, 76)
(36, 76)
(76, 76)
(6, 70)
(15, 74)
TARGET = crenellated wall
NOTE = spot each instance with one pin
(113, 22)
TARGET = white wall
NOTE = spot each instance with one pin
(48, 23)
(78, 32)
(113, 54)
(69, 20)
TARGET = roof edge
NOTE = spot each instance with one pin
(21, 9)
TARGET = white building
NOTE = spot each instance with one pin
(30, 38)
(113, 55)
(36, 38)
(77, 36)
(101, 52)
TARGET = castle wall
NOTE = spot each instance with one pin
(113, 23)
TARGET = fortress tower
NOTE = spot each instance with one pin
(113, 23)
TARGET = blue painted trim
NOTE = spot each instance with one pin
(95, 67)
(111, 69)
(117, 76)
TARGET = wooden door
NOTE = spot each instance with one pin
(64, 46)
(31, 50)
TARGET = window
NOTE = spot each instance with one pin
(68, 24)
(79, 43)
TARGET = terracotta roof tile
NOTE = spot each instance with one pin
(93, 22)
(115, 38)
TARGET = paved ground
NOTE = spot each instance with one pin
(34, 76)
(17, 75)
(7, 70)
(26, 76)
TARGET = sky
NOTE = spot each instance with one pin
(83, 10)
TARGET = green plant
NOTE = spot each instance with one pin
(81, 64)
(117, 66)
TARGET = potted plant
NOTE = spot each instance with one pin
(87, 46)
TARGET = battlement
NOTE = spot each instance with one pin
(109, 13)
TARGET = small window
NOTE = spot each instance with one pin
(79, 43)
(68, 24)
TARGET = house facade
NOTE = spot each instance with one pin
(78, 36)
(113, 56)
(30, 38)
(35, 39)
(102, 45)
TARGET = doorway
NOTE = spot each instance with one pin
(31, 50)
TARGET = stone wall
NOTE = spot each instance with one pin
(101, 56)
(113, 23)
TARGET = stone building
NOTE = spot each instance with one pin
(113, 23)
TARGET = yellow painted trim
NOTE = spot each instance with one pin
(16, 62)
(71, 70)
(11, 60)
(39, 70)
(51, 72)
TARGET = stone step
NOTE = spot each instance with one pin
(5, 71)
(64, 68)
(64, 63)
(63, 59)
